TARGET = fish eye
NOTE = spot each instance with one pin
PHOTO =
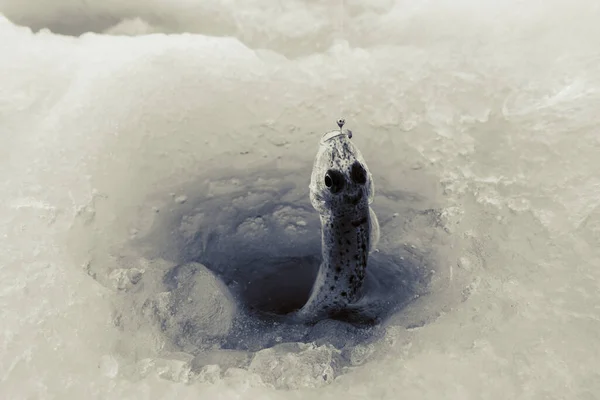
(334, 180)
(358, 173)
(328, 181)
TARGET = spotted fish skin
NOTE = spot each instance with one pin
(341, 190)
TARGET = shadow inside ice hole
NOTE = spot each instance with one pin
(263, 242)
(275, 272)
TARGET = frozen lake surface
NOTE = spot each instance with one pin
(154, 167)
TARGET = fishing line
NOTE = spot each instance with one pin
(341, 39)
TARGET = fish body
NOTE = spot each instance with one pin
(341, 190)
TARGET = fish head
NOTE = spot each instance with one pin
(340, 180)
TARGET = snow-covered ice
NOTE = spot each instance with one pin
(154, 164)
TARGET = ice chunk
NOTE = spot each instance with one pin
(210, 374)
(125, 278)
(175, 367)
(296, 365)
(197, 310)
(223, 358)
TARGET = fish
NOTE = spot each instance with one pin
(341, 191)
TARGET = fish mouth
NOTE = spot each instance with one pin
(354, 200)
(333, 134)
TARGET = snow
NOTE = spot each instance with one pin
(135, 136)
